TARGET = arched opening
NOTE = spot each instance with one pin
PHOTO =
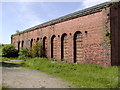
(37, 39)
(45, 46)
(78, 47)
(18, 45)
(22, 44)
(64, 46)
(31, 43)
(53, 47)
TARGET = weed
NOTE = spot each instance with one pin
(78, 75)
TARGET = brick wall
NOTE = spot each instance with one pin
(81, 40)
(115, 33)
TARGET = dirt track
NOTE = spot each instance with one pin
(17, 77)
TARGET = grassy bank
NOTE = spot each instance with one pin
(80, 76)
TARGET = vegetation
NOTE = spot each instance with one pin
(78, 75)
(23, 53)
(17, 31)
(108, 38)
(9, 51)
(7, 59)
(37, 50)
(112, 2)
(0, 49)
(3, 87)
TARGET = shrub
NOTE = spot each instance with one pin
(37, 50)
(0, 45)
(9, 50)
(23, 53)
(0, 49)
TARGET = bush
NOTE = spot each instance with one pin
(23, 53)
(0, 50)
(9, 50)
(37, 50)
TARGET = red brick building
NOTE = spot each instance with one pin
(89, 36)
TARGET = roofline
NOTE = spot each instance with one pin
(77, 14)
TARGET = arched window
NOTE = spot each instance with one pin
(45, 46)
(37, 39)
(78, 46)
(53, 47)
(64, 46)
(31, 43)
(22, 44)
(18, 45)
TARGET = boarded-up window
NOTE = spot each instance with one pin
(18, 45)
(45, 44)
(22, 44)
(64, 46)
(31, 43)
(53, 47)
(78, 47)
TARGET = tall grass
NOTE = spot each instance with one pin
(78, 75)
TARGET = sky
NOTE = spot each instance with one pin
(23, 14)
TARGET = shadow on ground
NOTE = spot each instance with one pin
(5, 64)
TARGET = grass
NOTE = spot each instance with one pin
(3, 87)
(7, 59)
(0, 53)
(78, 75)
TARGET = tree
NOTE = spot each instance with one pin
(17, 31)
(9, 50)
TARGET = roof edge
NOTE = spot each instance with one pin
(76, 14)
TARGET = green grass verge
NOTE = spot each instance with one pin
(3, 87)
(7, 59)
(78, 75)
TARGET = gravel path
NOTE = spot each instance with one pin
(17, 77)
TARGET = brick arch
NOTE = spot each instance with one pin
(45, 44)
(64, 46)
(31, 43)
(18, 45)
(78, 46)
(22, 44)
(53, 47)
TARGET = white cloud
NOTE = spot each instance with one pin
(88, 3)
(41, 0)
(28, 16)
(49, 9)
